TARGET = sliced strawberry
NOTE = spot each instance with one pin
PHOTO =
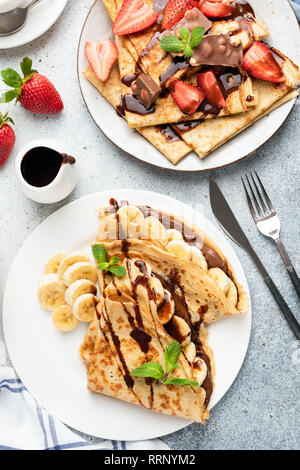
(101, 57)
(133, 16)
(175, 11)
(260, 63)
(215, 9)
(208, 82)
(187, 97)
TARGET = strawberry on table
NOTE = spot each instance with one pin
(187, 97)
(7, 138)
(260, 63)
(35, 92)
(101, 57)
(208, 82)
(215, 9)
(134, 16)
(175, 11)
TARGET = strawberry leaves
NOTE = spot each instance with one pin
(12, 79)
(112, 266)
(5, 119)
(186, 43)
(155, 371)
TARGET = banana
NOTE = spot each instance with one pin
(53, 263)
(72, 258)
(84, 307)
(81, 270)
(197, 257)
(232, 294)
(180, 330)
(51, 291)
(173, 234)
(156, 231)
(132, 222)
(180, 249)
(190, 351)
(199, 370)
(132, 213)
(158, 290)
(108, 228)
(167, 308)
(220, 278)
(64, 319)
(78, 288)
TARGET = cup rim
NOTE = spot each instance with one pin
(52, 144)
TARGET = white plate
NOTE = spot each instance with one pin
(40, 18)
(48, 362)
(284, 27)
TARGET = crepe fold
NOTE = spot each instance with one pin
(162, 137)
(125, 333)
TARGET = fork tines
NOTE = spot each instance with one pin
(258, 200)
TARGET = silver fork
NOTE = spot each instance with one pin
(267, 220)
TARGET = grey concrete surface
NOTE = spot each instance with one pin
(262, 408)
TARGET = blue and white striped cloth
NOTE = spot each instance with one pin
(296, 5)
(24, 425)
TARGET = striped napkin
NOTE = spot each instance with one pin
(27, 426)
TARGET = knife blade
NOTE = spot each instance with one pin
(230, 225)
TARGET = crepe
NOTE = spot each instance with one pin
(163, 138)
(166, 110)
(125, 333)
(203, 138)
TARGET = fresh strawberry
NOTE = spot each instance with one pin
(187, 97)
(35, 92)
(133, 16)
(215, 9)
(208, 82)
(175, 11)
(7, 138)
(101, 57)
(260, 63)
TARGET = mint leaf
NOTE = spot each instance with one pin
(149, 369)
(196, 36)
(8, 96)
(175, 381)
(172, 355)
(99, 253)
(171, 44)
(103, 266)
(119, 271)
(114, 260)
(188, 51)
(184, 34)
(11, 78)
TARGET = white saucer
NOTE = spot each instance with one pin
(40, 18)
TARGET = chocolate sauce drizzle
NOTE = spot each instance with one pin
(167, 131)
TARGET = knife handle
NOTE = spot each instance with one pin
(294, 325)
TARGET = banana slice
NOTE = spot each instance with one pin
(84, 307)
(78, 288)
(108, 228)
(190, 351)
(220, 278)
(167, 308)
(180, 330)
(199, 370)
(53, 263)
(132, 213)
(232, 294)
(198, 257)
(64, 319)
(51, 291)
(81, 270)
(156, 231)
(158, 290)
(180, 249)
(72, 258)
(173, 234)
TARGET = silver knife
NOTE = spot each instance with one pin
(230, 225)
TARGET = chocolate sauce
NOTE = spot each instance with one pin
(132, 105)
(153, 41)
(186, 126)
(230, 80)
(242, 10)
(131, 77)
(207, 384)
(208, 109)
(179, 63)
(121, 107)
(41, 165)
(167, 131)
